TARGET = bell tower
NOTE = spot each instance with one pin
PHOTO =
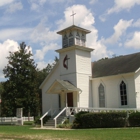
(75, 60)
(73, 35)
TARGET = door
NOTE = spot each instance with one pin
(70, 99)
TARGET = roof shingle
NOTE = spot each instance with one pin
(118, 65)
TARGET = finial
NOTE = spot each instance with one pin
(73, 16)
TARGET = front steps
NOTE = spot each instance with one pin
(51, 121)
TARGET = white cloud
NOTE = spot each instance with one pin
(137, 23)
(40, 54)
(5, 47)
(134, 42)
(15, 33)
(37, 4)
(14, 7)
(5, 2)
(93, 1)
(119, 6)
(43, 64)
(123, 5)
(119, 30)
(41, 33)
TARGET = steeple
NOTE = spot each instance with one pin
(73, 35)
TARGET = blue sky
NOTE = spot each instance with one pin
(114, 25)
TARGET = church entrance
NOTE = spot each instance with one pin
(70, 99)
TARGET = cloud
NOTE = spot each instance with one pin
(123, 5)
(41, 33)
(15, 33)
(119, 5)
(14, 7)
(5, 47)
(5, 2)
(137, 23)
(39, 55)
(134, 42)
(93, 1)
(36, 4)
(43, 64)
(119, 30)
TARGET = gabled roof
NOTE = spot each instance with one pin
(61, 85)
(118, 65)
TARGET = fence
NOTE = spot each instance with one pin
(14, 120)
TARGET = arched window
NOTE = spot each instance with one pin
(83, 40)
(123, 93)
(65, 41)
(71, 39)
(101, 96)
(77, 39)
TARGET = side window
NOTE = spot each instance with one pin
(77, 39)
(71, 40)
(83, 41)
(65, 42)
(123, 93)
(101, 96)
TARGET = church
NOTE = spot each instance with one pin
(77, 82)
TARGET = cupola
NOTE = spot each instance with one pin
(73, 35)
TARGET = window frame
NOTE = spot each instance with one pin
(102, 101)
(123, 94)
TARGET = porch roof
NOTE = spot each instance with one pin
(62, 85)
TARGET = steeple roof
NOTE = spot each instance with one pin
(73, 27)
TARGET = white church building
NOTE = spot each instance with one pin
(77, 82)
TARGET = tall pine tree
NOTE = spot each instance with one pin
(21, 88)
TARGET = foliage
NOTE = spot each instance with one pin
(134, 119)
(66, 124)
(101, 120)
(1, 88)
(78, 120)
(20, 90)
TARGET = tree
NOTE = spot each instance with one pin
(21, 90)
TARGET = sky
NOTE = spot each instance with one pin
(114, 26)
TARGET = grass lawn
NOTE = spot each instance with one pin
(26, 133)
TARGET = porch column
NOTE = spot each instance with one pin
(51, 106)
(66, 100)
(78, 101)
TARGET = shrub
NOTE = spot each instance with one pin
(134, 119)
(100, 120)
(77, 123)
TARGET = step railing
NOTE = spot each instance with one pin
(44, 116)
(52, 112)
(55, 119)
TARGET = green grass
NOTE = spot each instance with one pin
(25, 133)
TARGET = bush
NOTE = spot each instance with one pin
(78, 120)
(100, 120)
(134, 119)
(66, 124)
